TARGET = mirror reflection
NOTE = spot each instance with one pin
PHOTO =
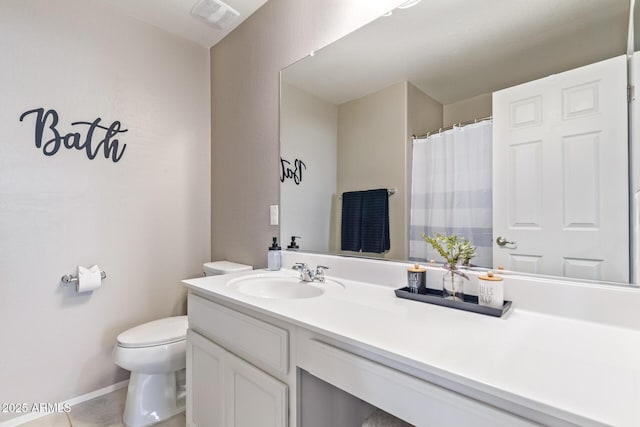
(501, 121)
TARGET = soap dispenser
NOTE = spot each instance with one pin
(274, 261)
(293, 246)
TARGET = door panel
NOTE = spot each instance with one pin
(204, 401)
(254, 398)
(560, 174)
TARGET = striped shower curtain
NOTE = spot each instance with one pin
(451, 190)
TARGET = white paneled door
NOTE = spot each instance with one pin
(226, 391)
(253, 398)
(206, 393)
(560, 180)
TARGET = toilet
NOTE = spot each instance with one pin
(156, 354)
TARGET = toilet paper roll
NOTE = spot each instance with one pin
(89, 279)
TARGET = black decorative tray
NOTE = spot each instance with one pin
(470, 302)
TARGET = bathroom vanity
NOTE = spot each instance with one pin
(426, 364)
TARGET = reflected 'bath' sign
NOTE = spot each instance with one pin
(93, 138)
(292, 171)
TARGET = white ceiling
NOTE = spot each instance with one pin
(456, 49)
(174, 16)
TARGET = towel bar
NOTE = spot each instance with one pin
(69, 278)
(390, 191)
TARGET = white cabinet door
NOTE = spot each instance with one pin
(205, 382)
(225, 391)
(253, 398)
(560, 174)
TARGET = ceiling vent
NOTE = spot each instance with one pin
(214, 13)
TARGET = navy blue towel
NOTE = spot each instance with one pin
(375, 221)
(351, 221)
(365, 221)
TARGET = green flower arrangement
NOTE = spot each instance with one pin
(453, 249)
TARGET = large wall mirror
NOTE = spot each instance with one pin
(505, 122)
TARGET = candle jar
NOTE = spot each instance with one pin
(490, 290)
(416, 278)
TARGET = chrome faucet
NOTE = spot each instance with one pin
(308, 275)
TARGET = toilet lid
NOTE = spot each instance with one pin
(157, 332)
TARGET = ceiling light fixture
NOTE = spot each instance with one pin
(214, 13)
(408, 4)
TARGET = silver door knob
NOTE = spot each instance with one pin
(501, 241)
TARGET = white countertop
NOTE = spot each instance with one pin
(583, 372)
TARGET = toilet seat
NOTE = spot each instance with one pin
(156, 333)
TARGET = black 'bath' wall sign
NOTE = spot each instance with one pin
(47, 121)
(287, 171)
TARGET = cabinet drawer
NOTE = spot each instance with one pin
(265, 345)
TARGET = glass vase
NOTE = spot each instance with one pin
(452, 286)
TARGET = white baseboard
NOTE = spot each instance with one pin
(68, 403)
(93, 394)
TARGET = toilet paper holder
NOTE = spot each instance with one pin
(70, 278)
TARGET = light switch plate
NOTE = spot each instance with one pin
(273, 215)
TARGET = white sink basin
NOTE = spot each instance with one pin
(280, 286)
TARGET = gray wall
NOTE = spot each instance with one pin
(477, 107)
(144, 220)
(371, 141)
(323, 405)
(308, 132)
(244, 112)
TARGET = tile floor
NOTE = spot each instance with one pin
(103, 411)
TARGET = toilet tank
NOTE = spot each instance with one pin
(216, 268)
